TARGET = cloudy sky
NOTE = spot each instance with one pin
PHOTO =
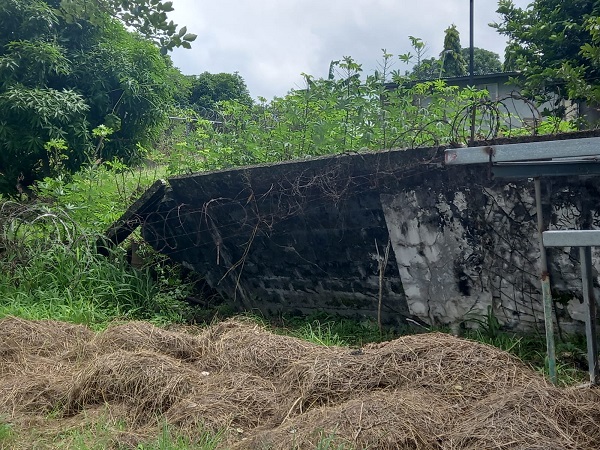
(272, 42)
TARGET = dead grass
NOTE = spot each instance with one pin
(243, 345)
(143, 336)
(429, 391)
(235, 401)
(443, 365)
(22, 341)
(387, 419)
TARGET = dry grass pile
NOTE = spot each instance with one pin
(149, 383)
(243, 345)
(232, 400)
(525, 418)
(444, 365)
(37, 393)
(532, 418)
(23, 341)
(143, 336)
(379, 419)
(267, 391)
(36, 363)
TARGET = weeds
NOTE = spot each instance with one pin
(50, 269)
(97, 195)
(326, 329)
(168, 440)
(6, 434)
(74, 284)
(320, 334)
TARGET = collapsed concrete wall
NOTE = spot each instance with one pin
(312, 235)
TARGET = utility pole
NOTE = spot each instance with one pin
(471, 69)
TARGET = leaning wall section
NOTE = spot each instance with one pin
(311, 235)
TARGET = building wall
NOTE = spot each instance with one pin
(311, 236)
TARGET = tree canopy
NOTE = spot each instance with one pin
(552, 43)
(484, 61)
(207, 89)
(62, 75)
(453, 62)
(147, 17)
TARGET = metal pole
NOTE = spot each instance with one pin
(471, 68)
(545, 280)
(585, 254)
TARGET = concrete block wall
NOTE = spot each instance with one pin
(309, 236)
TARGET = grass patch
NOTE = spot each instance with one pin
(74, 284)
(326, 329)
(6, 434)
(171, 440)
(320, 334)
(50, 269)
(102, 433)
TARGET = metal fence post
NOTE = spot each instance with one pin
(546, 292)
(585, 254)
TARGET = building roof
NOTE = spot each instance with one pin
(479, 79)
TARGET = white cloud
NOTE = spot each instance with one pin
(270, 43)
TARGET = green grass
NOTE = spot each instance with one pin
(105, 432)
(320, 334)
(50, 269)
(168, 440)
(74, 284)
(6, 434)
(326, 329)
(49, 265)
(98, 195)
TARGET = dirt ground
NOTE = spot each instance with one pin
(266, 391)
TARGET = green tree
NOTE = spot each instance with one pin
(207, 89)
(510, 58)
(484, 61)
(130, 87)
(578, 85)
(148, 17)
(453, 62)
(427, 69)
(61, 76)
(546, 38)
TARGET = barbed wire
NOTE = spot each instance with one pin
(509, 116)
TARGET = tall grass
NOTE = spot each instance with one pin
(74, 284)
(326, 329)
(49, 266)
(531, 348)
(320, 333)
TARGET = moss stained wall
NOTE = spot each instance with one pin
(309, 235)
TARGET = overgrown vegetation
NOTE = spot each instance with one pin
(50, 267)
(555, 45)
(68, 67)
(84, 105)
